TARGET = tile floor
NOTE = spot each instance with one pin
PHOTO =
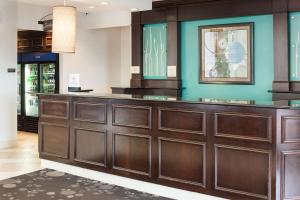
(22, 158)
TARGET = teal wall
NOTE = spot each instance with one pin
(263, 61)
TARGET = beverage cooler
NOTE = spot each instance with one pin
(37, 73)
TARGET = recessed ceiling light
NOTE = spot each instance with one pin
(104, 3)
(134, 9)
(91, 7)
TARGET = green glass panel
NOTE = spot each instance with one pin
(155, 51)
(294, 20)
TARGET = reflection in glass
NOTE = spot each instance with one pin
(48, 78)
(31, 89)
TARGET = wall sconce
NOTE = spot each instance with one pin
(64, 29)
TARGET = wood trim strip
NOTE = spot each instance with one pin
(281, 52)
(88, 103)
(218, 146)
(149, 126)
(160, 127)
(232, 136)
(149, 138)
(85, 161)
(223, 9)
(160, 139)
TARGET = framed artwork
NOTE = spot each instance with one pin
(226, 53)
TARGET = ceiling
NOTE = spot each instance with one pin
(96, 5)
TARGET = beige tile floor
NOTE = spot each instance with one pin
(20, 159)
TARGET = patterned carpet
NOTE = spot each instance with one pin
(53, 185)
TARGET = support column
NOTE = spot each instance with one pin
(8, 81)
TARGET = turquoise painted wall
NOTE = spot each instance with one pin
(263, 61)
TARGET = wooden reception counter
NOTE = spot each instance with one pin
(231, 149)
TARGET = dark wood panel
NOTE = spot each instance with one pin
(290, 129)
(180, 120)
(281, 52)
(280, 5)
(293, 5)
(54, 109)
(222, 9)
(182, 161)
(132, 116)
(54, 140)
(243, 171)
(153, 16)
(167, 84)
(147, 91)
(90, 147)
(243, 126)
(90, 112)
(132, 153)
(137, 49)
(174, 46)
(290, 175)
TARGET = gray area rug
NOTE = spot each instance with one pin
(53, 185)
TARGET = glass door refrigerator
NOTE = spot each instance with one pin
(39, 74)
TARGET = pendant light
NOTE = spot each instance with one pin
(64, 29)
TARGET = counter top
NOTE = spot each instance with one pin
(285, 104)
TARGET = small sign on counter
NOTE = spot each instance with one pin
(74, 80)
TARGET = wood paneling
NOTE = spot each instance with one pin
(179, 120)
(132, 153)
(137, 46)
(90, 147)
(182, 161)
(243, 171)
(54, 140)
(153, 16)
(290, 129)
(290, 175)
(235, 159)
(293, 5)
(90, 112)
(243, 126)
(222, 9)
(281, 52)
(132, 116)
(54, 109)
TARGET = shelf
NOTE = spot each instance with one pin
(284, 92)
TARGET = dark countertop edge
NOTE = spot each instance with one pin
(169, 100)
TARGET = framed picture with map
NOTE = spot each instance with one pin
(226, 53)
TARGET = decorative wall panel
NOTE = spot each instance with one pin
(294, 20)
(155, 51)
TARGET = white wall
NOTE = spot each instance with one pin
(125, 56)
(97, 59)
(29, 15)
(108, 19)
(102, 55)
(8, 81)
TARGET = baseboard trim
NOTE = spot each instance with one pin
(142, 186)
